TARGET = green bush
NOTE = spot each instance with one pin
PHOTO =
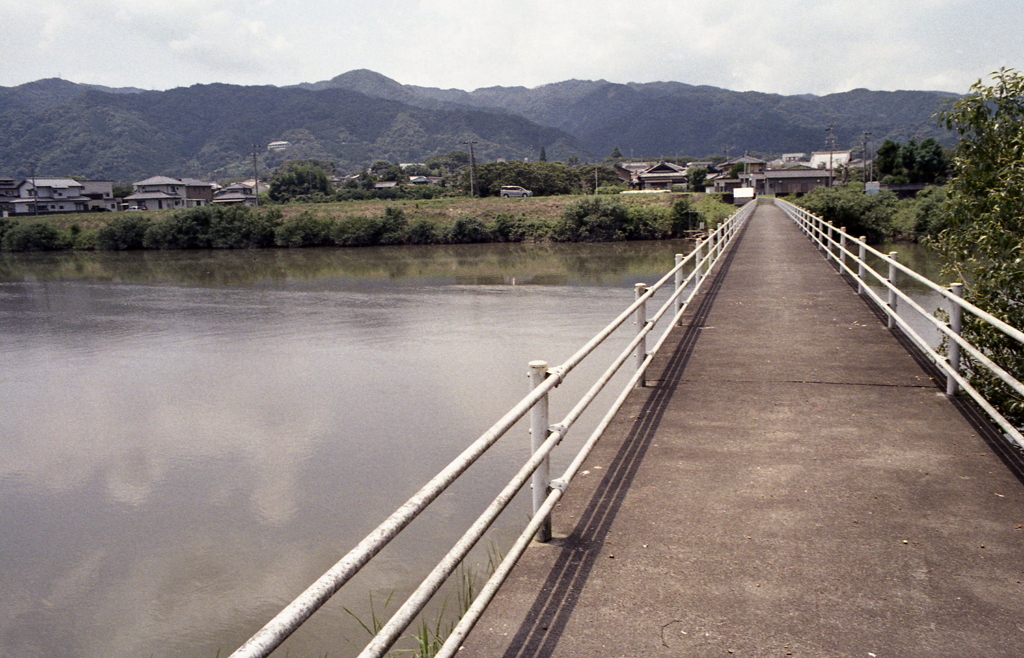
(183, 230)
(33, 236)
(467, 229)
(393, 225)
(423, 231)
(390, 227)
(242, 227)
(712, 210)
(611, 189)
(125, 232)
(592, 219)
(849, 207)
(648, 223)
(305, 230)
(685, 216)
(5, 225)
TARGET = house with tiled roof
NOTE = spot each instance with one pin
(42, 195)
(164, 192)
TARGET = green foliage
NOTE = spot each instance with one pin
(543, 178)
(921, 216)
(712, 211)
(357, 231)
(242, 227)
(606, 176)
(423, 231)
(390, 227)
(33, 236)
(697, 177)
(847, 205)
(519, 228)
(299, 179)
(305, 230)
(6, 224)
(125, 232)
(468, 229)
(984, 239)
(592, 219)
(913, 162)
(684, 217)
(611, 189)
(648, 222)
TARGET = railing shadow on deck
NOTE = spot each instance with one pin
(546, 620)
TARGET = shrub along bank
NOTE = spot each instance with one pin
(585, 219)
(879, 216)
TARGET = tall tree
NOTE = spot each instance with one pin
(299, 178)
(984, 241)
(543, 155)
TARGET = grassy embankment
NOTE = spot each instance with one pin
(362, 223)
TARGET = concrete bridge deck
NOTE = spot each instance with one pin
(792, 482)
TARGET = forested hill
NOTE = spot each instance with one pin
(208, 131)
(670, 118)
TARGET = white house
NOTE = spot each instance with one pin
(49, 195)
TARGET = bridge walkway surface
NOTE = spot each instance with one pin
(793, 481)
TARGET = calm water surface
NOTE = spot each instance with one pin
(187, 440)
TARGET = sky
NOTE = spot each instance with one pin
(782, 46)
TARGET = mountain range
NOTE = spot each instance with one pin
(211, 131)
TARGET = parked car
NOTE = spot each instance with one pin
(514, 190)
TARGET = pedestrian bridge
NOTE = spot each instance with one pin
(789, 471)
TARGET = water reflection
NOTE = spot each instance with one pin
(189, 439)
(500, 264)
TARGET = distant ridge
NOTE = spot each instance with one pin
(207, 131)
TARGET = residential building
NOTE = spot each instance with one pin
(100, 194)
(835, 159)
(661, 176)
(243, 193)
(42, 195)
(163, 193)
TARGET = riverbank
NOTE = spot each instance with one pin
(570, 218)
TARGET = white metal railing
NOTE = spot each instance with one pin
(837, 245)
(688, 275)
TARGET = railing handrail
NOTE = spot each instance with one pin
(820, 232)
(292, 616)
(1007, 329)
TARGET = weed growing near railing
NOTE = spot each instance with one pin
(429, 637)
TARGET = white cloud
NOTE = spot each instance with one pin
(788, 46)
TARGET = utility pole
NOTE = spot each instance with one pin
(472, 169)
(256, 173)
(867, 171)
(831, 141)
(35, 192)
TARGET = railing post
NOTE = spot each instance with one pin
(539, 434)
(892, 293)
(679, 285)
(699, 249)
(842, 248)
(828, 242)
(862, 257)
(641, 322)
(956, 324)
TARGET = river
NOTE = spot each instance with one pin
(190, 438)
